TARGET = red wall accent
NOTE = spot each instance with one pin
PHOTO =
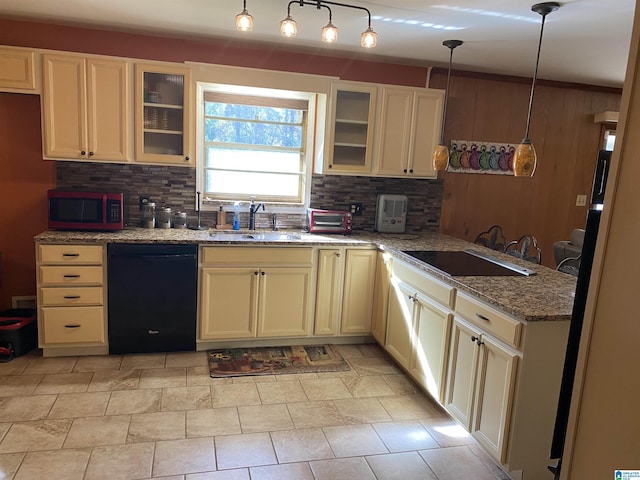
(24, 180)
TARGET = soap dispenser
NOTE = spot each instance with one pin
(236, 215)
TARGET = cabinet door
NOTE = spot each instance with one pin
(284, 302)
(108, 100)
(463, 360)
(17, 69)
(394, 132)
(429, 358)
(400, 323)
(351, 128)
(496, 379)
(380, 299)
(228, 303)
(357, 300)
(427, 121)
(64, 107)
(162, 114)
(328, 291)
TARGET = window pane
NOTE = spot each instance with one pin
(253, 160)
(250, 183)
(252, 133)
(251, 112)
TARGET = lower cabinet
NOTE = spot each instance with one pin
(480, 386)
(344, 292)
(250, 292)
(400, 322)
(381, 298)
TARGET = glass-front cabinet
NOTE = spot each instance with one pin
(162, 115)
(352, 128)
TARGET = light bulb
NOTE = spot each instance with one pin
(440, 157)
(524, 159)
(288, 27)
(244, 21)
(329, 33)
(369, 38)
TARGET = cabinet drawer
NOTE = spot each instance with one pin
(59, 296)
(72, 325)
(257, 256)
(63, 254)
(441, 292)
(490, 320)
(71, 275)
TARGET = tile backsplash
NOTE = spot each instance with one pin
(175, 187)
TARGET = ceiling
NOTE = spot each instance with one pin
(585, 41)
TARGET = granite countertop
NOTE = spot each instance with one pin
(546, 296)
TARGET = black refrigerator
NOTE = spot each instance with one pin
(577, 315)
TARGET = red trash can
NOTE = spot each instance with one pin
(18, 332)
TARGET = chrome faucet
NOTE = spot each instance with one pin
(253, 208)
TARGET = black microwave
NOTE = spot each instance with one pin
(85, 210)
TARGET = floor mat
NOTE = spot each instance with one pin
(233, 362)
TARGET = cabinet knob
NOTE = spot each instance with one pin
(91, 154)
(262, 273)
(405, 170)
(477, 340)
(411, 170)
(330, 166)
(337, 254)
(186, 159)
(83, 153)
(255, 273)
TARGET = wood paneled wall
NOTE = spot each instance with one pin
(566, 139)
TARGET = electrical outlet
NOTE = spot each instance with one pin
(143, 200)
(581, 200)
(356, 208)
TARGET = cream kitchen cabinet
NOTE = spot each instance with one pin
(248, 292)
(408, 131)
(162, 114)
(350, 128)
(18, 70)
(418, 325)
(381, 297)
(85, 102)
(344, 294)
(70, 296)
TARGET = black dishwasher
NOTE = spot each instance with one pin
(152, 297)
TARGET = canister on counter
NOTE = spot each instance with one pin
(164, 218)
(149, 215)
(180, 220)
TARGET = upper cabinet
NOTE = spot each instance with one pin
(162, 108)
(84, 105)
(351, 129)
(17, 70)
(409, 126)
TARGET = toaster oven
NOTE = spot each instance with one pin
(329, 221)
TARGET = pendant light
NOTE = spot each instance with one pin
(441, 154)
(524, 158)
(244, 20)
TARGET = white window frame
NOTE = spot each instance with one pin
(209, 204)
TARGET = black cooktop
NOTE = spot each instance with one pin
(463, 263)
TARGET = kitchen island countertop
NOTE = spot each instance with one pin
(546, 296)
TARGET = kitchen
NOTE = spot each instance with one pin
(27, 137)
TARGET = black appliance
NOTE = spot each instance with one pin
(577, 314)
(152, 297)
(461, 263)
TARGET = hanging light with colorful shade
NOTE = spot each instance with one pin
(525, 158)
(441, 154)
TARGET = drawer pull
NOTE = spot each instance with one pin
(482, 317)
(72, 276)
(70, 254)
(71, 297)
(73, 325)
(154, 332)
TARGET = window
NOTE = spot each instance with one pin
(254, 144)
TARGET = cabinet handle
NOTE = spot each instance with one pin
(70, 254)
(71, 276)
(83, 153)
(73, 325)
(71, 297)
(482, 317)
(154, 332)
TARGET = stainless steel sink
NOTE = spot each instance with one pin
(255, 236)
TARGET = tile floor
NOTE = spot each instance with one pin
(162, 416)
